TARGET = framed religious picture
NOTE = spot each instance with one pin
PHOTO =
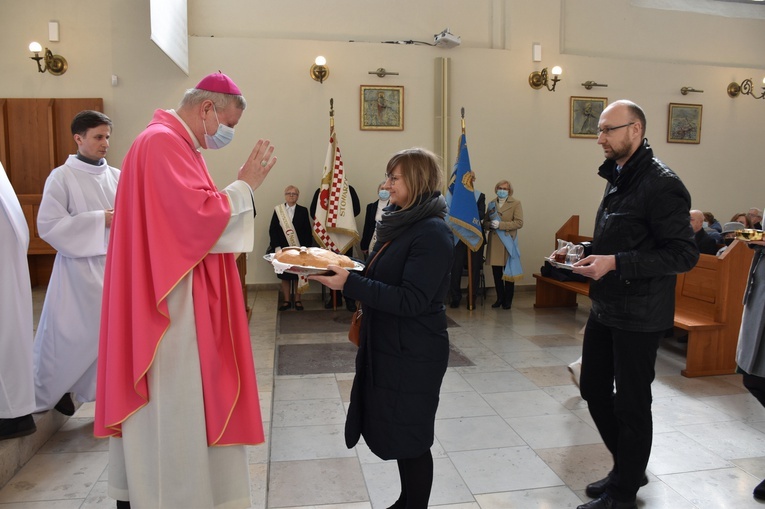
(584, 115)
(684, 124)
(382, 108)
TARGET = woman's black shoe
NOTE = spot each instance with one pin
(285, 306)
(497, 304)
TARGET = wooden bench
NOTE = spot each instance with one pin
(552, 293)
(708, 303)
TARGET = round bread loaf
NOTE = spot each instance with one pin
(312, 257)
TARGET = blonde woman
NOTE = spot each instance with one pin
(504, 217)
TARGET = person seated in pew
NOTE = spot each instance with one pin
(755, 217)
(742, 217)
(712, 223)
(704, 242)
(729, 234)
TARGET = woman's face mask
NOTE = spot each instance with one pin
(502, 193)
(383, 194)
(222, 136)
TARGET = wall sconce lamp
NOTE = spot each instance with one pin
(685, 90)
(745, 88)
(54, 64)
(538, 79)
(589, 84)
(319, 70)
(381, 72)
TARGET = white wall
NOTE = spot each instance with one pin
(514, 132)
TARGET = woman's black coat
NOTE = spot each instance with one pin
(404, 349)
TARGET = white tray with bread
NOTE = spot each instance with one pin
(308, 260)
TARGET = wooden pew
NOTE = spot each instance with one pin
(552, 293)
(708, 303)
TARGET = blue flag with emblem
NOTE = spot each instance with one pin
(463, 216)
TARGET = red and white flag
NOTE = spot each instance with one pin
(334, 227)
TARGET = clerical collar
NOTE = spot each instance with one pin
(94, 162)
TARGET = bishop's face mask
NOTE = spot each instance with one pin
(222, 136)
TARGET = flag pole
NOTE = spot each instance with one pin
(331, 115)
(332, 130)
(471, 303)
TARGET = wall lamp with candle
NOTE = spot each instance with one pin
(319, 70)
(539, 79)
(745, 88)
(54, 64)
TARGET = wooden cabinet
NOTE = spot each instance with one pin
(35, 138)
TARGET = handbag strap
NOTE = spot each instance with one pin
(376, 254)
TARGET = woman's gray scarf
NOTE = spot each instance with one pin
(396, 220)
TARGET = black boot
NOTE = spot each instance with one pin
(499, 286)
(500, 295)
(507, 301)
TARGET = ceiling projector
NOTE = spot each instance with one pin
(446, 40)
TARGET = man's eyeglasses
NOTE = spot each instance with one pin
(291, 194)
(607, 130)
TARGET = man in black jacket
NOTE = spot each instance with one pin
(642, 240)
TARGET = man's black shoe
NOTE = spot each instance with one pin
(350, 305)
(17, 427)
(454, 304)
(65, 405)
(597, 488)
(606, 502)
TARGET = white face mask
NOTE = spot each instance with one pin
(222, 136)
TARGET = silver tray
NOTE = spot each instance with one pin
(559, 264)
(301, 270)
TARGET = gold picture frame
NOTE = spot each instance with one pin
(684, 123)
(584, 115)
(381, 108)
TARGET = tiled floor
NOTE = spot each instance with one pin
(511, 431)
